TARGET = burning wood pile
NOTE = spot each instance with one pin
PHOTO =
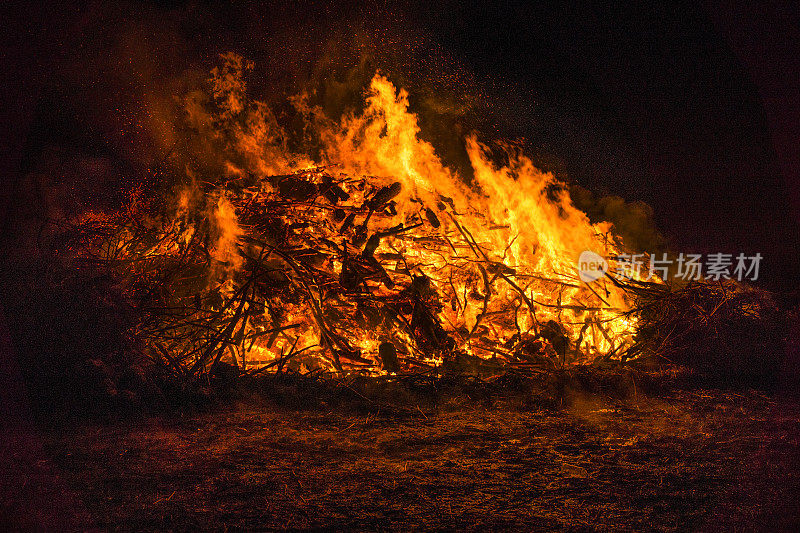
(373, 257)
(315, 272)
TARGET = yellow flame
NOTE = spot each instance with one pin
(514, 223)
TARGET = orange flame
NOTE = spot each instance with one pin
(501, 257)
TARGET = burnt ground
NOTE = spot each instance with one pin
(690, 460)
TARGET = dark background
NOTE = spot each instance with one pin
(691, 108)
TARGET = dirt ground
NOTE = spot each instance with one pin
(700, 460)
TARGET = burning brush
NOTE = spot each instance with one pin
(375, 258)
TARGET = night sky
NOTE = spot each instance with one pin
(661, 102)
(691, 109)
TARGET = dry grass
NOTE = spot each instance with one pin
(699, 460)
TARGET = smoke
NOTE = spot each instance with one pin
(633, 221)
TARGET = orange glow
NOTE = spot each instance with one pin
(495, 261)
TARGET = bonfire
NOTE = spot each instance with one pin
(372, 257)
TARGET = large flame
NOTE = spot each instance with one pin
(499, 255)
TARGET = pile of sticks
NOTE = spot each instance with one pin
(724, 327)
(320, 269)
